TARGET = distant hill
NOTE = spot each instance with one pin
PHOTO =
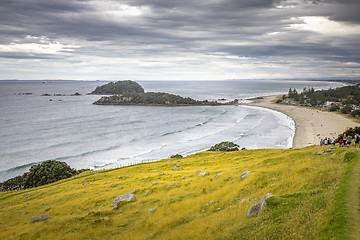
(119, 87)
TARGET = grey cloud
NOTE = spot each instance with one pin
(12, 55)
(229, 4)
(181, 26)
(341, 10)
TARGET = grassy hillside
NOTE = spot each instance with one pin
(311, 199)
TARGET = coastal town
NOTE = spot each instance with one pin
(344, 99)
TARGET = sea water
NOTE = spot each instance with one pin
(35, 128)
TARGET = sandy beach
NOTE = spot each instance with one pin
(311, 124)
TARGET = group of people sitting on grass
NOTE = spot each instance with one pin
(343, 141)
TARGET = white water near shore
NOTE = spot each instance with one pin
(71, 129)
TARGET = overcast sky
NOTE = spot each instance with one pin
(179, 39)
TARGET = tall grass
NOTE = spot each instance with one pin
(308, 189)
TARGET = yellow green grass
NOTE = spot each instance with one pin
(310, 202)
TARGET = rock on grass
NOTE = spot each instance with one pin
(203, 174)
(128, 197)
(39, 218)
(177, 168)
(245, 174)
(259, 206)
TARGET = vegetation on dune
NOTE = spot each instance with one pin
(310, 199)
(119, 87)
(40, 174)
(347, 95)
(344, 99)
(151, 98)
(349, 132)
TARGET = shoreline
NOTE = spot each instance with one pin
(311, 125)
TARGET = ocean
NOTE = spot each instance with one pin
(35, 128)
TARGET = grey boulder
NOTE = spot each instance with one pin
(203, 174)
(259, 206)
(245, 174)
(177, 168)
(39, 218)
(172, 185)
(128, 197)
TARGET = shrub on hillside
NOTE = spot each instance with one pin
(351, 131)
(176, 156)
(225, 147)
(48, 172)
(12, 184)
(40, 174)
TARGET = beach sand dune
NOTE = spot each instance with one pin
(311, 124)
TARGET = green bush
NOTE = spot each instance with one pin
(355, 113)
(12, 184)
(346, 110)
(176, 156)
(225, 147)
(40, 174)
(334, 108)
(47, 172)
(351, 131)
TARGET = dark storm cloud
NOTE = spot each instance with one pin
(322, 51)
(190, 4)
(345, 10)
(79, 19)
(240, 28)
(19, 18)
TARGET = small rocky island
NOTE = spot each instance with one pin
(131, 93)
(119, 87)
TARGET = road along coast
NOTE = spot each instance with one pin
(311, 124)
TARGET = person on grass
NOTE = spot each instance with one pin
(348, 140)
(357, 139)
(341, 143)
